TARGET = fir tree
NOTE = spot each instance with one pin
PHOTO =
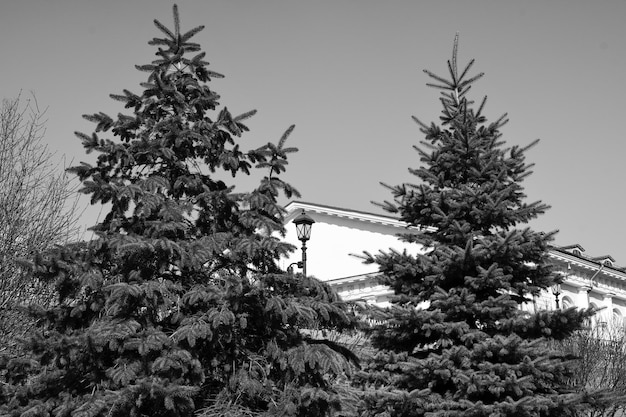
(178, 308)
(455, 341)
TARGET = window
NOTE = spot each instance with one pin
(618, 319)
(567, 302)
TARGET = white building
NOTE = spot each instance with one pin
(339, 234)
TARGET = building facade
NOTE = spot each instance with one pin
(340, 235)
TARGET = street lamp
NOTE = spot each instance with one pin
(556, 291)
(303, 229)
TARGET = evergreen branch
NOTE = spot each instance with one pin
(197, 59)
(145, 68)
(214, 74)
(466, 69)
(463, 93)
(530, 145)
(523, 176)
(284, 137)
(244, 116)
(191, 46)
(471, 80)
(452, 73)
(453, 67)
(481, 107)
(502, 120)
(441, 87)
(163, 28)
(176, 23)
(160, 41)
(191, 33)
(386, 205)
(342, 350)
(440, 79)
(419, 122)
(421, 152)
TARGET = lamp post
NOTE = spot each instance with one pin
(303, 229)
(556, 291)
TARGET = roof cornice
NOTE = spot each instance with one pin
(586, 263)
(363, 216)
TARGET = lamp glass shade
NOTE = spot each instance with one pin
(303, 226)
(304, 231)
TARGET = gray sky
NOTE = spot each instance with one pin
(349, 75)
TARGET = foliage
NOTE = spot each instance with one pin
(178, 307)
(456, 341)
(36, 210)
(600, 365)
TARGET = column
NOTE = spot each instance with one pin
(581, 299)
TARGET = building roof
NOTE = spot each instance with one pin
(293, 207)
(569, 253)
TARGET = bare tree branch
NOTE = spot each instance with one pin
(600, 365)
(38, 206)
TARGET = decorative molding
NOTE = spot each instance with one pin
(293, 207)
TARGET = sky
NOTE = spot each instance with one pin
(349, 75)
